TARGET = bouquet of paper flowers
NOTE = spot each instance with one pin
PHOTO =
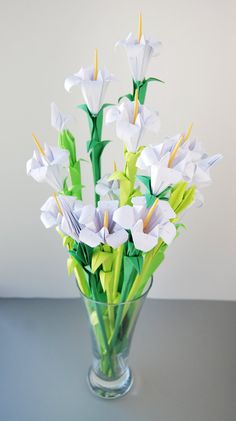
(116, 244)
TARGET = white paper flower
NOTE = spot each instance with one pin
(202, 163)
(181, 159)
(100, 228)
(107, 187)
(147, 225)
(51, 166)
(93, 91)
(58, 120)
(65, 212)
(139, 54)
(130, 129)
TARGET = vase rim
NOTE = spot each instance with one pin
(144, 294)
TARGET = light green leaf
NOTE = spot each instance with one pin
(187, 199)
(177, 194)
(99, 258)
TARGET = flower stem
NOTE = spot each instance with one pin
(101, 323)
(117, 269)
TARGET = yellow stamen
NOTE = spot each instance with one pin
(140, 27)
(95, 74)
(188, 132)
(135, 105)
(115, 167)
(105, 219)
(175, 150)
(38, 145)
(150, 213)
(57, 202)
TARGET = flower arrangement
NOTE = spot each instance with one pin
(116, 244)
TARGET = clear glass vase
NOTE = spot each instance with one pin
(111, 328)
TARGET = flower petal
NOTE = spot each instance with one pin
(124, 216)
(117, 238)
(142, 241)
(167, 232)
(89, 237)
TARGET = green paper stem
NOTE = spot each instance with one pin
(81, 279)
(127, 281)
(66, 141)
(146, 272)
(101, 322)
(107, 268)
(127, 190)
(117, 269)
(95, 145)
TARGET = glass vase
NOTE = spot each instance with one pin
(111, 328)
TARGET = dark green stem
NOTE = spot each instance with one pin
(101, 322)
(124, 292)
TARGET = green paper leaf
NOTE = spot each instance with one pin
(84, 107)
(154, 79)
(129, 96)
(165, 194)
(103, 107)
(99, 147)
(117, 175)
(106, 279)
(66, 140)
(68, 242)
(146, 181)
(177, 194)
(187, 199)
(154, 263)
(150, 199)
(99, 258)
(179, 225)
(71, 263)
(136, 262)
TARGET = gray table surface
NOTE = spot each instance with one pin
(183, 356)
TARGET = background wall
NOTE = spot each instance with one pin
(44, 41)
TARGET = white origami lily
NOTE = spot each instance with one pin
(202, 163)
(65, 212)
(100, 228)
(107, 187)
(147, 225)
(179, 156)
(93, 83)
(49, 164)
(139, 52)
(132, 121)
(58, 120)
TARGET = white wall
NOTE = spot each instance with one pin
(44, 41)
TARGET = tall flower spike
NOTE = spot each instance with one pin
(57, 203)
(175, 150)
(105, 219)
(150, 213)
(95, 75)
(188, 132)
(115, 166)
(140, 27)
(135, 105)
(178, 144)
(37, 143)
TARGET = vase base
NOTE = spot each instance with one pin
(110, 389)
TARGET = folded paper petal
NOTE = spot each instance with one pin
(89, 237)
(51, 168)
(128, 130)
(139, 54)
(143, 241)
(93, 91)
(58, 120)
